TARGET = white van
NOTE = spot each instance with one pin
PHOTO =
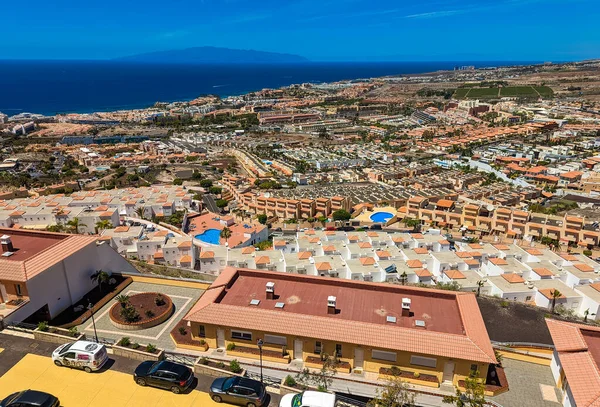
(308, 399)
(89, 356)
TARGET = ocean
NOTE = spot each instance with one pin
(51, 87)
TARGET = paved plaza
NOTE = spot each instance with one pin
(183, 299)
(531, 385)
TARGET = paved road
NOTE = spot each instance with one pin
(16, 348)
(209, 201)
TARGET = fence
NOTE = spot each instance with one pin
(20, 326)
(267, 380)
(184, 359)
(349, 401)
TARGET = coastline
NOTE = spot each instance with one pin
(86, 87)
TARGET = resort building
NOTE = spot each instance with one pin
(45, 273)
(431, 336)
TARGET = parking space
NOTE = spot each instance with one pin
(76, 388)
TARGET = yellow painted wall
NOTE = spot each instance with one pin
(461, 367)
(165, 281)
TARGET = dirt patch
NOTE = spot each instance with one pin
(407, 375)
(147, 306)
(184, 338)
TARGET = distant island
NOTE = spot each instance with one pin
(213, 55)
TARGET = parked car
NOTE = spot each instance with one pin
(89, 356)
(165, 375)
(27, 398)
(308, 399)
(239, 390)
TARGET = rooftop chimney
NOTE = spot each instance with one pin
(270, 290)
(7, 245)
(406, 307)
(331, 302)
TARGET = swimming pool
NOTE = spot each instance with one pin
(381, 217)
(211, 236)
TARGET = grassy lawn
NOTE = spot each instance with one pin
(461, 93)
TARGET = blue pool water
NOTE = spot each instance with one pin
(381, 217)
(211, 236)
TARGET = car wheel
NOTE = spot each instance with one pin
(250, 405)
(87, 369)
(217, 399)
(175, 389)
(141, 382)
(57, 363)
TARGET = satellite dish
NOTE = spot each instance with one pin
(267, 194)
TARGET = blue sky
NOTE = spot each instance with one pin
(324, 30)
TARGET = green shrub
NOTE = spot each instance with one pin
(587, 253)
(231, 346)
(504, 304)
(123, 300)
(234, 366)
(149, 313)
(43, 326)
(395, 371)
(73, 331)
(135, 345)
(182, 331)
(159, 300)
(416, 375)
(129, 314)
(150, 348)
(289, 381)
(220, 365)
(202, 342)
(125, 341)
(204, 360)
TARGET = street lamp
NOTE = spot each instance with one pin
(91, 308)
(260, 345)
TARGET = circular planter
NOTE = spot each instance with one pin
(142, 302)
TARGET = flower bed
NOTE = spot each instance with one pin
(287, 386)
(57, 335)
(422, 378)
(493, 386)
(136, 351)
(145, 311)
(182, 336)
(209, 367)
(317, 363)
(254, 353)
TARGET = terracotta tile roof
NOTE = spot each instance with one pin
(583, 267)
(534, 252)
(314, 240)
(185, 259)
(463, 255)
(207, 255)
(382, 253)
(248, 250)
(498, 261)
(121, 229)
(372, 234)
(595, 286)
(279, 243)
(364, 245)
(367, 261)
(512, 278)
(472, 262)
(323, 266)
(577, 360)
(473, 345)
(185, 244)
(159, 255)
(547, 292)
(414, 264)
(397, 239)
(263, 260)
(423, 273)
(353, 237)
(444, 203)
(501, 247)
(454, 274)
(568, 257)
(39, 261)
(475, 246)
(542, 272)
(421, 250)
(329, 248)
(304, 255)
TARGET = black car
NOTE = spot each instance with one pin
(163, 374)
(31, 398)
(239, 390)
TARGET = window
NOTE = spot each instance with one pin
(383, 355)
(528, 298)
(202, 331)
(423, 361)
(275, 340)
(338, 350)
(244, 336)
(474, 368)
(18, 289)
(69, 355)
(318, 347)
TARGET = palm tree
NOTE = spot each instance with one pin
(225, 234)
(59, 227)
(555, 294)
(75, 224)
(140, 212)
(413, 223)
(480, 284)
(101, 277)
(586, 313)
(103, 224)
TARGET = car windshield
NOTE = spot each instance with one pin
(229, 383)
(297, 400)
(66, 347)
(154, 367)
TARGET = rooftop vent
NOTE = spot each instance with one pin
(7, 254)
(420, 323)
(390, 319)
(6, 243)
(331, 304)
(280, 305)
(254, 302)
(406, 307)
(270, 287)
